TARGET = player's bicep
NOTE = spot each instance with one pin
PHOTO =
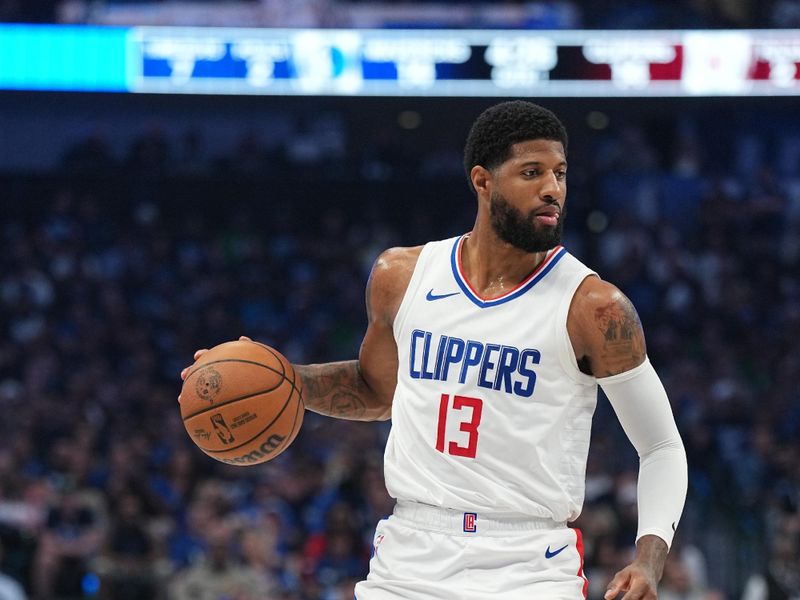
(611, 334)
(378, 355)
(378, 362)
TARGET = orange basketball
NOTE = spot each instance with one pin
(242, 403)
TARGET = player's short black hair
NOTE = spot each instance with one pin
(499, 127)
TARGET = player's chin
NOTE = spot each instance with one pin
(542, 227)
(550, 235)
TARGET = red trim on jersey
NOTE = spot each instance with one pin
(579, 547)
(541, 266)
(442, 421)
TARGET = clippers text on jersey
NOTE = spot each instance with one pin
(492, 366)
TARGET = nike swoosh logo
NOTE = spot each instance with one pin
(431, 296)
(548, 554)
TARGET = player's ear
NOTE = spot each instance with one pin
(480, 178)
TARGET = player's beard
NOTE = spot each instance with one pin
(523, 233)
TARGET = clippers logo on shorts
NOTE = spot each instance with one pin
(470, 525)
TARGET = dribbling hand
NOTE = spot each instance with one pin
(200, 353)
(637, 580)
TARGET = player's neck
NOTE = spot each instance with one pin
(492, 266)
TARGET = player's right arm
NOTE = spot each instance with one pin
(363, 389)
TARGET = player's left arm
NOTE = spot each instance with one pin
(609, 343)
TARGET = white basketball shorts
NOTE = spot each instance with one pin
(425, 552)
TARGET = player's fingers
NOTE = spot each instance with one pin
(617, 585)
(200, 353)
(186, 370)
(640, 592)
(244, 338)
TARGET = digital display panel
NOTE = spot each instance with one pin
(184, 60)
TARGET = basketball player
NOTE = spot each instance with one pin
(486, 351)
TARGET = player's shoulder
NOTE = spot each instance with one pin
(397, 260)
(393, 269)
(594, 292)
(390, 276)
(596, 300)
(604, 326)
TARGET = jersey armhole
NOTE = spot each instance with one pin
(566, 353)
(411, 290)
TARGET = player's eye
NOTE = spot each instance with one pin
(561, 175)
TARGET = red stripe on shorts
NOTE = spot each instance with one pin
(579, 546)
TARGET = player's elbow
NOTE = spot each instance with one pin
(670, 448)
(385, 415)
(379, 408)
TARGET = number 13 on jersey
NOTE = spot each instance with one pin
(469, 412)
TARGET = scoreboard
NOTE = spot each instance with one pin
(388, 62)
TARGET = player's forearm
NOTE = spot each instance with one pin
(639, 399)
(340, 390)
(651, 552)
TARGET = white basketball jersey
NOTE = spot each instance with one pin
(491, 413)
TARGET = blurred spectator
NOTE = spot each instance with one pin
(126, 565)
(150, 154)
(685, 576)
(260, 550)
(220, 574)
(781, 578)
(71, 537)
(10, 589)
(92, 155)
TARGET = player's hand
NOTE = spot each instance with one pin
(185, 372)
(200, 353)
(638, 581)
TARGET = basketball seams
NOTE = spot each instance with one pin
(226, 402)
(297, 413)
(294, 429)
(283, 362)
(292, 433)
(274, 354)
(240, 360)
(269, 425)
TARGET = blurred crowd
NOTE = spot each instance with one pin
(109, 284)
(532, 14)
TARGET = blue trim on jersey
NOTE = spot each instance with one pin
(479, 302)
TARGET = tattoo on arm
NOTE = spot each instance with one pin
(623, 339)
(652, 551)
(337, 390)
